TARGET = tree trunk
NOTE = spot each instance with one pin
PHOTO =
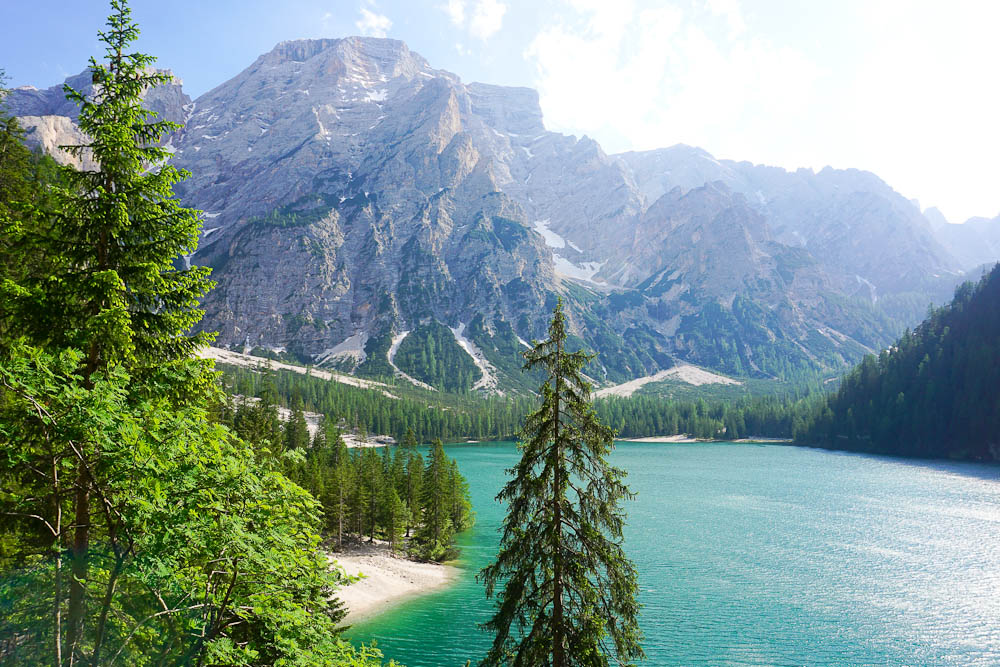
(109, 593)
(57, 584)
(558, 647)
(81, 544)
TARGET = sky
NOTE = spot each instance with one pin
(904, 88)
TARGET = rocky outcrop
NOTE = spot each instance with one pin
(49, 133)
(169, 101)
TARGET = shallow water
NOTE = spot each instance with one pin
(763, 555)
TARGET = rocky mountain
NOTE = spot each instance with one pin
(359, 202)
(48, 118)
(975, 243)
(851, 220)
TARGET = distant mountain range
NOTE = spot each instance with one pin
(354, 197)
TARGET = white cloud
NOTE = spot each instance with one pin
(487, 18)
(731, 11)
(372, 24)
(455, 9)
(650, 78)
(899, 87)
(483, 18)
(922, 110)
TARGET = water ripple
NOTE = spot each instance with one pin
(751, 555)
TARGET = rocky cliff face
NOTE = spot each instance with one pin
(850, 220)
(353, 193)
(49, 119)
(169, 100)
(49, 133)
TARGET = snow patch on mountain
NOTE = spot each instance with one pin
(393, 348)
(685, 373)
(585, 271)
(351, 348)
(552, 239)
(488, 381)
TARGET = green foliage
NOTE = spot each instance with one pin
(376, 363)
(362, 493)
(502, 348)
(431, 354)
(196, 549)
(423, 280)
(135, 529)
(568, 589)
(640, 416)
(932, 394)
(764, 408)
(288, 216)
(437, 530)
(429, 414)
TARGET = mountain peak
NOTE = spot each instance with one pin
(386, 55)
(507, 109)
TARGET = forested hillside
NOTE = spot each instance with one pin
(453, 417)
(430, 354)
(934, 393)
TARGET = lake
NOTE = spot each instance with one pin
(762, 555)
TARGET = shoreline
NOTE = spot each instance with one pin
(389, 580)
(686, 439)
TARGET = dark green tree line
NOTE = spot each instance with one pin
(932, 394)
(365, 494)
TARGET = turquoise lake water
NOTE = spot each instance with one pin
(762, 555)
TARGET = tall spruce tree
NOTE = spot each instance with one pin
(122, 300)
(183, 547)
(414, 488)
(436, 534)
(568, 592)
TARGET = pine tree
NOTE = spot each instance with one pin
(436, 533)
(296, 430)
(397, 471)
(414, 488)
(183, 547)
(340, 486)
(119, 297)
(371, 479)
(567, 585)
(394, 517)
(459, 505)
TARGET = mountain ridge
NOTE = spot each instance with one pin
(352, 192)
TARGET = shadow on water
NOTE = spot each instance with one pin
(989, 471)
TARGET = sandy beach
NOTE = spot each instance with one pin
(688, 439)
(662, 438)
(388, 579)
